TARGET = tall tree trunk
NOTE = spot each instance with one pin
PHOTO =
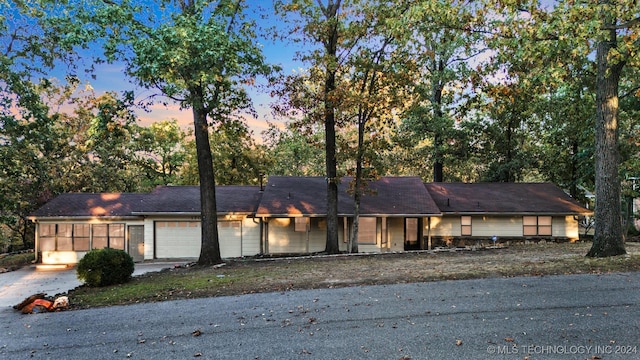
(608, 239)
(331, 45)
(210, 250)
(358, 183)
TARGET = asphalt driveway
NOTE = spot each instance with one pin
(548, 317)
(15, 286)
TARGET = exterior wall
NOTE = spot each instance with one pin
(251, 237)
(566, 227)
(395, 234)
(238, 236)
(55, 256)
(389, 235)
(486, 226)
(443, 226)
(149, 240)
(283, 239)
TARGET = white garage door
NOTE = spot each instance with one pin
(177, 239)
(182, 239)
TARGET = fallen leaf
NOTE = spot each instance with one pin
(458, 342)
(196, 332)
(508, 339)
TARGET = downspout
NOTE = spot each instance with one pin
(260, 222)
(265, 236)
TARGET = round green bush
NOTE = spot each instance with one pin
(102, 267)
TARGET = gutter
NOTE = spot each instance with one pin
(517, 213)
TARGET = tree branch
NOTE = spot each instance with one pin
(630, 92)
(627, 25)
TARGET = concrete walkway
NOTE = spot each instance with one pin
(15, 286)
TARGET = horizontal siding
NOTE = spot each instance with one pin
(318, 234)
(230, 239)
(500, 226)
(444, 226)
(395, 233)
(149, 238)
(283, 239)
(250, 237)
(565, 227)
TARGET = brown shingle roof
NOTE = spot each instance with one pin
(163, 199)
(91, 205)
(504, 198)
(186, 199)
(291, 196)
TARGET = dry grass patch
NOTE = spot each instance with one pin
(276, 275)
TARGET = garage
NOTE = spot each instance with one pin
(182, 239)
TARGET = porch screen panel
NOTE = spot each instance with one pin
(65, 237)
(81, 237)
(47, 237)
(116, 236)
(300, 224)
(367, 230)
(100, 236)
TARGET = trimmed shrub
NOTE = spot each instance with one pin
(104, 267)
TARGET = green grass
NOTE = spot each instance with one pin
(251, 276)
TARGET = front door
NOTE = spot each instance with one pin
(136, 242)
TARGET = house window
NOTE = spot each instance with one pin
(411, 230)
(536, 225)
(465, 225)
(367, 230)
(301, 224)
